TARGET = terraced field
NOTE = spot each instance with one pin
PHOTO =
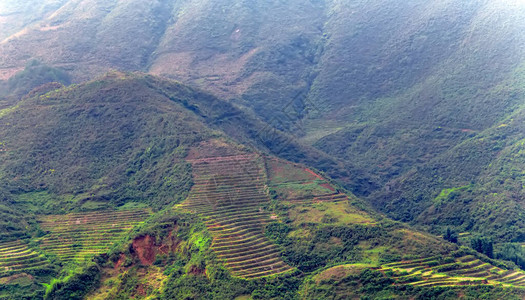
(297, 184)
(83, 235)
(466, 270)
(18, 257)
(229, 194)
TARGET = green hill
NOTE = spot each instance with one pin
(416, 108)
(392, 92)
(130, 186)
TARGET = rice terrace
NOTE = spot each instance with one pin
(262, 150)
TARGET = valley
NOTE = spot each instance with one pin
(319, 149)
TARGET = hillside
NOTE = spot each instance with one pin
(391, 94)
(131, 186)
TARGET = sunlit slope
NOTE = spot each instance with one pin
(396, 86)
(230, 195)
(348, 251)
(343, 55)
(82, 236)
(16, 257)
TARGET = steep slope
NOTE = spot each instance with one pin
(79, 144)
(422, 112)
(230, 48)
(224, 220)
(319, 235)
(384, 84)
(477, 85)
(342, 54)
(476, 186)
(121, 138)
(104, 150)
(16, 16)
(229, 194)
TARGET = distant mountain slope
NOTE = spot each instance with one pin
(18, 15)
(475, 186)
(120, 138)
(343, 54)
(388, 90)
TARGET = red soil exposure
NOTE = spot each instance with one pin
(120, 261)
(314, 174)
(328, 186)
(170, 243)
(144, 248)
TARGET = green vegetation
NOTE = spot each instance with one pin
(17, 257)
(83, 235)
(406, 101)
(359, 282)
(451, 236)
(75, 286)
(512, 252)
(34, 75)
(483, 245)
(229, 195)
(426, 139)
(184, 267)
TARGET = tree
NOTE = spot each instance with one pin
(514, 253)
(483, 245)
(451, 235)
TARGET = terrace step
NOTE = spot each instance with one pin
(257, 269)
(22, 252)
(199, 198)
(57, 247)
(232, 258)
(95, 238)
(247, 242)
(18, 258)
(257, 259)
(232, 212)
(247, 156)
(472, 271)
(11, 243)
(224, 215)
(272, 272)
(13, 249)
(227, 204)
(82, 235)
(219, 209)
(89, 230)
(335, 197)
(256, 175)
(237, 224)
(237, 232)
(54, 221)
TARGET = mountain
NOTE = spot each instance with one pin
(435, 121)
(129, 186)
(414, 107)
(383, 85)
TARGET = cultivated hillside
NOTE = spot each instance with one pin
(386, 87)
(415, 107)
(129, 186)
